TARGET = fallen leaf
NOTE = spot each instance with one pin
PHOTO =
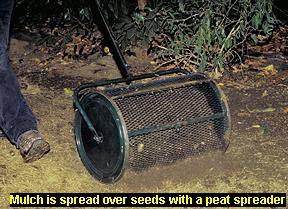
(244, 65)
(261, 37)
(106, 50)
(243, 114)
(264, 94)
(68, 92)
(140, 147)
(221, 84)
(285, 110)
(216, 74)
(269, 109)
(270, 70)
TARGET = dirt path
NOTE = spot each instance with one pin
(256, 160)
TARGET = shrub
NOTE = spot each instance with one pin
(208, 34)
(205, 34)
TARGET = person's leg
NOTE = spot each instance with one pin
(15, 115)
(16, 118)
(3, 34)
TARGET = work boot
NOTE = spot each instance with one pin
(32, 146)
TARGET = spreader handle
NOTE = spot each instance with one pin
(107, 32)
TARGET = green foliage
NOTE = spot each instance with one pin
(136, 27)
(59, 11)
(206, 34)
(202, 33)
(37, 12)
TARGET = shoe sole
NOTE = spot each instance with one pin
(37, 150)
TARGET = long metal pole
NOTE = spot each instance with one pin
(107, 32)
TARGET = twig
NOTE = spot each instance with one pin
(187, 18)
(232, 32)
(161, 47)
(181, 59)
(164, 63)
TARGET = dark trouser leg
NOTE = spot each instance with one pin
(15, 115)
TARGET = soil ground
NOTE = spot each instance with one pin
(255, 161)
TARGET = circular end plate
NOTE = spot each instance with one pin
(104, 160)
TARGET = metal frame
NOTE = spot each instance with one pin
(76, 95)
(128, 78)
(121, 127)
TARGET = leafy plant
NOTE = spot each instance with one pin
(135, 27)
(188, 33)
(208, 34)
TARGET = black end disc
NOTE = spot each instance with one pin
(104, 160)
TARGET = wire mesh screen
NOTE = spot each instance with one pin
(171, 119)
(167, 146)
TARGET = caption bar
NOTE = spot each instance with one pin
(148, 200)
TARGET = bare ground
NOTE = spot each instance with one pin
(255, 161)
